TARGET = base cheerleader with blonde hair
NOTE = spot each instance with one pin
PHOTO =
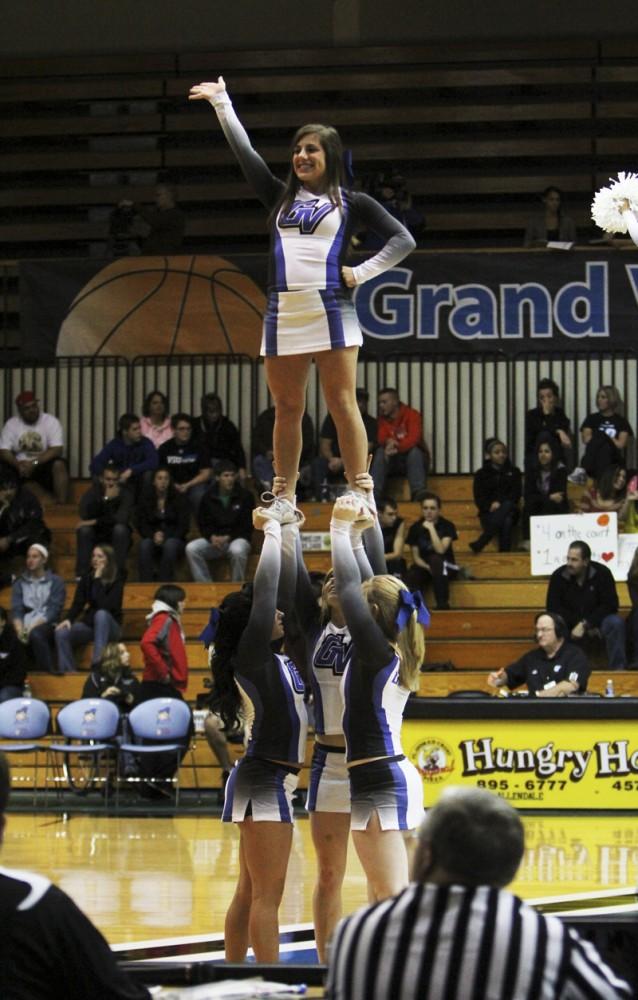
(386, 624)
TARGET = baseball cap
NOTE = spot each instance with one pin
(25, 397)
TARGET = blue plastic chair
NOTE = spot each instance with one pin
(24, 719)
(91, 723)
(167, 720)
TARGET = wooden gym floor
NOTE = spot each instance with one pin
(158, 879)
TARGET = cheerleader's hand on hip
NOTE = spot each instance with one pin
(347, 274)
(207, 91)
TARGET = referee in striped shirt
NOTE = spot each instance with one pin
(455, 933)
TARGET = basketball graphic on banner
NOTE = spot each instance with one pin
(165, 305)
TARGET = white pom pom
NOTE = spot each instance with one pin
(610, 202)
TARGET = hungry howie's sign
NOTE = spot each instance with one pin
(583, 766)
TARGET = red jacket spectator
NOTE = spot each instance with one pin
(163, 648)
(404, 426)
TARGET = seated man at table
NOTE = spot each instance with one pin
(583, 592)
(555, 669)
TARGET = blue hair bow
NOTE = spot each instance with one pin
(408, 602)
(209, 633)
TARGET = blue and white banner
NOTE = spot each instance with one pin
(449, 303)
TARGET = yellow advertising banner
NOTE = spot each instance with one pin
(567, 764)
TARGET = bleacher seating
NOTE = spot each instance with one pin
(477, 129)
(489, 626)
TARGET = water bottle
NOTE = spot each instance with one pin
(609, 689)
(26, 690)
(324, 495)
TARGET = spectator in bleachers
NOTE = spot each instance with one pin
(13, 660)
(113, 678)
(394, 531)
(165, 676)
(225, 524)
(33, 444)
(163, 520)
(96, 612)
(391, 191)
(123, 235)
(401, 449)
(550, 224)
(547, 417)
(165, 222)
(583, 592)
(497, 494)
(105, 514)
(605, 435)
(21, 520)
(130, 452)
(328, 468)
(609, 493)
(262, 450)
(187, 460)
(545, 490)
(556, 668)
(155, 420)
(165, 661)
(431, 541)
(219, 434)
(37, 600)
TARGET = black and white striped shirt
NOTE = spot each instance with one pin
(455, 942)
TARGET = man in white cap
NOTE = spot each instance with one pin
(37, 600)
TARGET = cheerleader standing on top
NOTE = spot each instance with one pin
(266, 691)
(310, 311)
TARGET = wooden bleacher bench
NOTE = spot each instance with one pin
(470, 171)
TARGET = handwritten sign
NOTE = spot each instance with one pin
(551, 536)
(627, 545)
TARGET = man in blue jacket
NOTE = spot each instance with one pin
(130, 452)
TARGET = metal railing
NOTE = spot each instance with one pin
(463, 399)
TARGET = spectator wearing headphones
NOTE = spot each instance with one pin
(557, 668)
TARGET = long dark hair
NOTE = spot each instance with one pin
(332, 146)
(146, 406)
(110, 572)
(234, 612)
(546, 438)
(605, 483)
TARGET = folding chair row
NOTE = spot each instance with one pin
(101, 747)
